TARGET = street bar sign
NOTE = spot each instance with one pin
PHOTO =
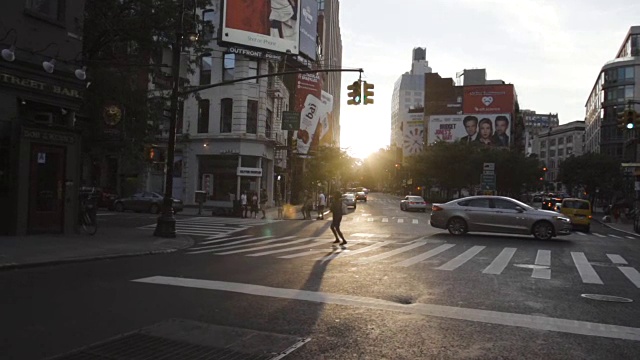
(290, 120)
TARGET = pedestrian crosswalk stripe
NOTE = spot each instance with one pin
(393, 252)
(425, 255)
(224, 239)
(415, 221)
(581, 233)
(236, 244)
(370, 219)
(400, 221)
(461, 259)
(630, 237)
(598, 235)
(632, 274)
(305, 246)
(586, 271)
(385, 220)
(267, 246)
(543, 258)
(615, 236)
(354, 252)
(617, 259)
(500, 263)
(306, 253)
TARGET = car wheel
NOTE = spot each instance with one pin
(542, 230)
(457, 226)
(154, 208)
(119, 207)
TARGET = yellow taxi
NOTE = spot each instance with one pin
(579, 211)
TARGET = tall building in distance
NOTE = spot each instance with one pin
(616, 87)
(534, 124)
(330, 56)
(408, 93)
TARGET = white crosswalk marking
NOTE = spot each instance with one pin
(370, 219)
(425, 255)
(500, 262)
(632, 274)
(461, 259)
(393, 252)
(415, 221)
(586, 271)
(267, 246)
(544, 259)
(307, 253)
(630, 237)
(354, 252)
(212, 227)
(385, 220)
(220, 240)
(236, 244)
(305, 246)
(598, 235)
(615, 236)
(581, 233)
(400, 221)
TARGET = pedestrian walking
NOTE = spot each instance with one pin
(322, 202)
(254, 205)
(279, 206)
(263, 203)
(308, 205)
(243, 202)
(336, 210)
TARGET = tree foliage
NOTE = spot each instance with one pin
(591, 172)
(330, 164)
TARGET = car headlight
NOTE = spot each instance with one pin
(562, 218)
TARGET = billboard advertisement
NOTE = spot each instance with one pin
(488, 99)
(309, 28)
(264, 24)
(489, 129)
(412, 135)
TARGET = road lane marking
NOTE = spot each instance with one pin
(586, 271)
(225, 239)
(393, 252)
(242, 243)
(617, 259)
(400, 221)
(630, 237)
(461, 259)
(500, 263)
(425, 255)
(543, 258)
(306, 246)
(615, 236)
(385, 220)
(598, 235)
(415, 221)
(267, 246)
(442, 311)
(581, 233)
(354, 252)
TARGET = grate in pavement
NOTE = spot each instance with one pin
(189, 340)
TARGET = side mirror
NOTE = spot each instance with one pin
(519, 209)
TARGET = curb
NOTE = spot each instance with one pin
(617, 229)
(18, 266)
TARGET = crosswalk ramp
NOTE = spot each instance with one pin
(213, 227)
(436, 255)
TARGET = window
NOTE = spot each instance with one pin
(504, 204)
(569, 139)
(552, 153)
(269, 124)
(569, 151)
(560, 152)
(253, 71)
(270, 80)
(226, 115)
(543, 143)
(407, 93)
(552, 142)
(543, 154)
(228, 67)
(203, 116)
(52, 9)
(208, 28)
(481, 203)
(252, 116)
(560, 141)
(205, 70)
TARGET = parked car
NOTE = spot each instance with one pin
(361, 195)
(579, 211)
(413, 202)
(349, 199)
(498, 214)
(105, 198)
(145, 201)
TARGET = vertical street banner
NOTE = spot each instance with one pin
(309, 103)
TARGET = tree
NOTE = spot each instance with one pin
(329, 164)
(594, 173)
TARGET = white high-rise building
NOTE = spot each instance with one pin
(408, 93)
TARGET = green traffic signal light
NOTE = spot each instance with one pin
(355, 93)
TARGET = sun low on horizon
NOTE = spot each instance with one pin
(360, 139)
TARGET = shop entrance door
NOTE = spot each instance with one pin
(46, 189)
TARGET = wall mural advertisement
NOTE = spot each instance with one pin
(489, 129)
(412, 135)
(309, 28)
(488, 99)
(265, 24)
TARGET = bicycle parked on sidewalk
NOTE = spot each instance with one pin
(87, 213)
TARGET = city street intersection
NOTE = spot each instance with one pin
(400, 289)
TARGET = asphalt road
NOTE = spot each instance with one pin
(400, 290)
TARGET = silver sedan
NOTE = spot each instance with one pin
(498, 214)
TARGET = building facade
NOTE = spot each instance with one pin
(330, 55)
(557, 144)
(41, 95)
(617, 87)
(534, 124)
(408, 93)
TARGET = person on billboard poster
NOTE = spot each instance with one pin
(500, 138)
(471, 126)
(283, 18)
(485, 133)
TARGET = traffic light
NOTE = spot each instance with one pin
(368, 93)
(544, 169)
(629, 117)
(152, 154)
(355, 93)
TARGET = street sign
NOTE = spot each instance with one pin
(488, 182)
(290, 120)
(489, 167)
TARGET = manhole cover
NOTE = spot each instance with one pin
(529, 266)
(609, 298)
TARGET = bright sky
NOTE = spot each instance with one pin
(551, 51)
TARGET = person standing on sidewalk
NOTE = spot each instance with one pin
(322, 202)
(336, 210)
(263, 202)
(243, 202)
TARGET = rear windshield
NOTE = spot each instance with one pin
(415, 198)
(575, 204)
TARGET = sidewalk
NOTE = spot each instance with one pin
(107, 243)
(623, 223)
(290, 212)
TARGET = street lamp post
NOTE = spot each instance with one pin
(166, 225)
